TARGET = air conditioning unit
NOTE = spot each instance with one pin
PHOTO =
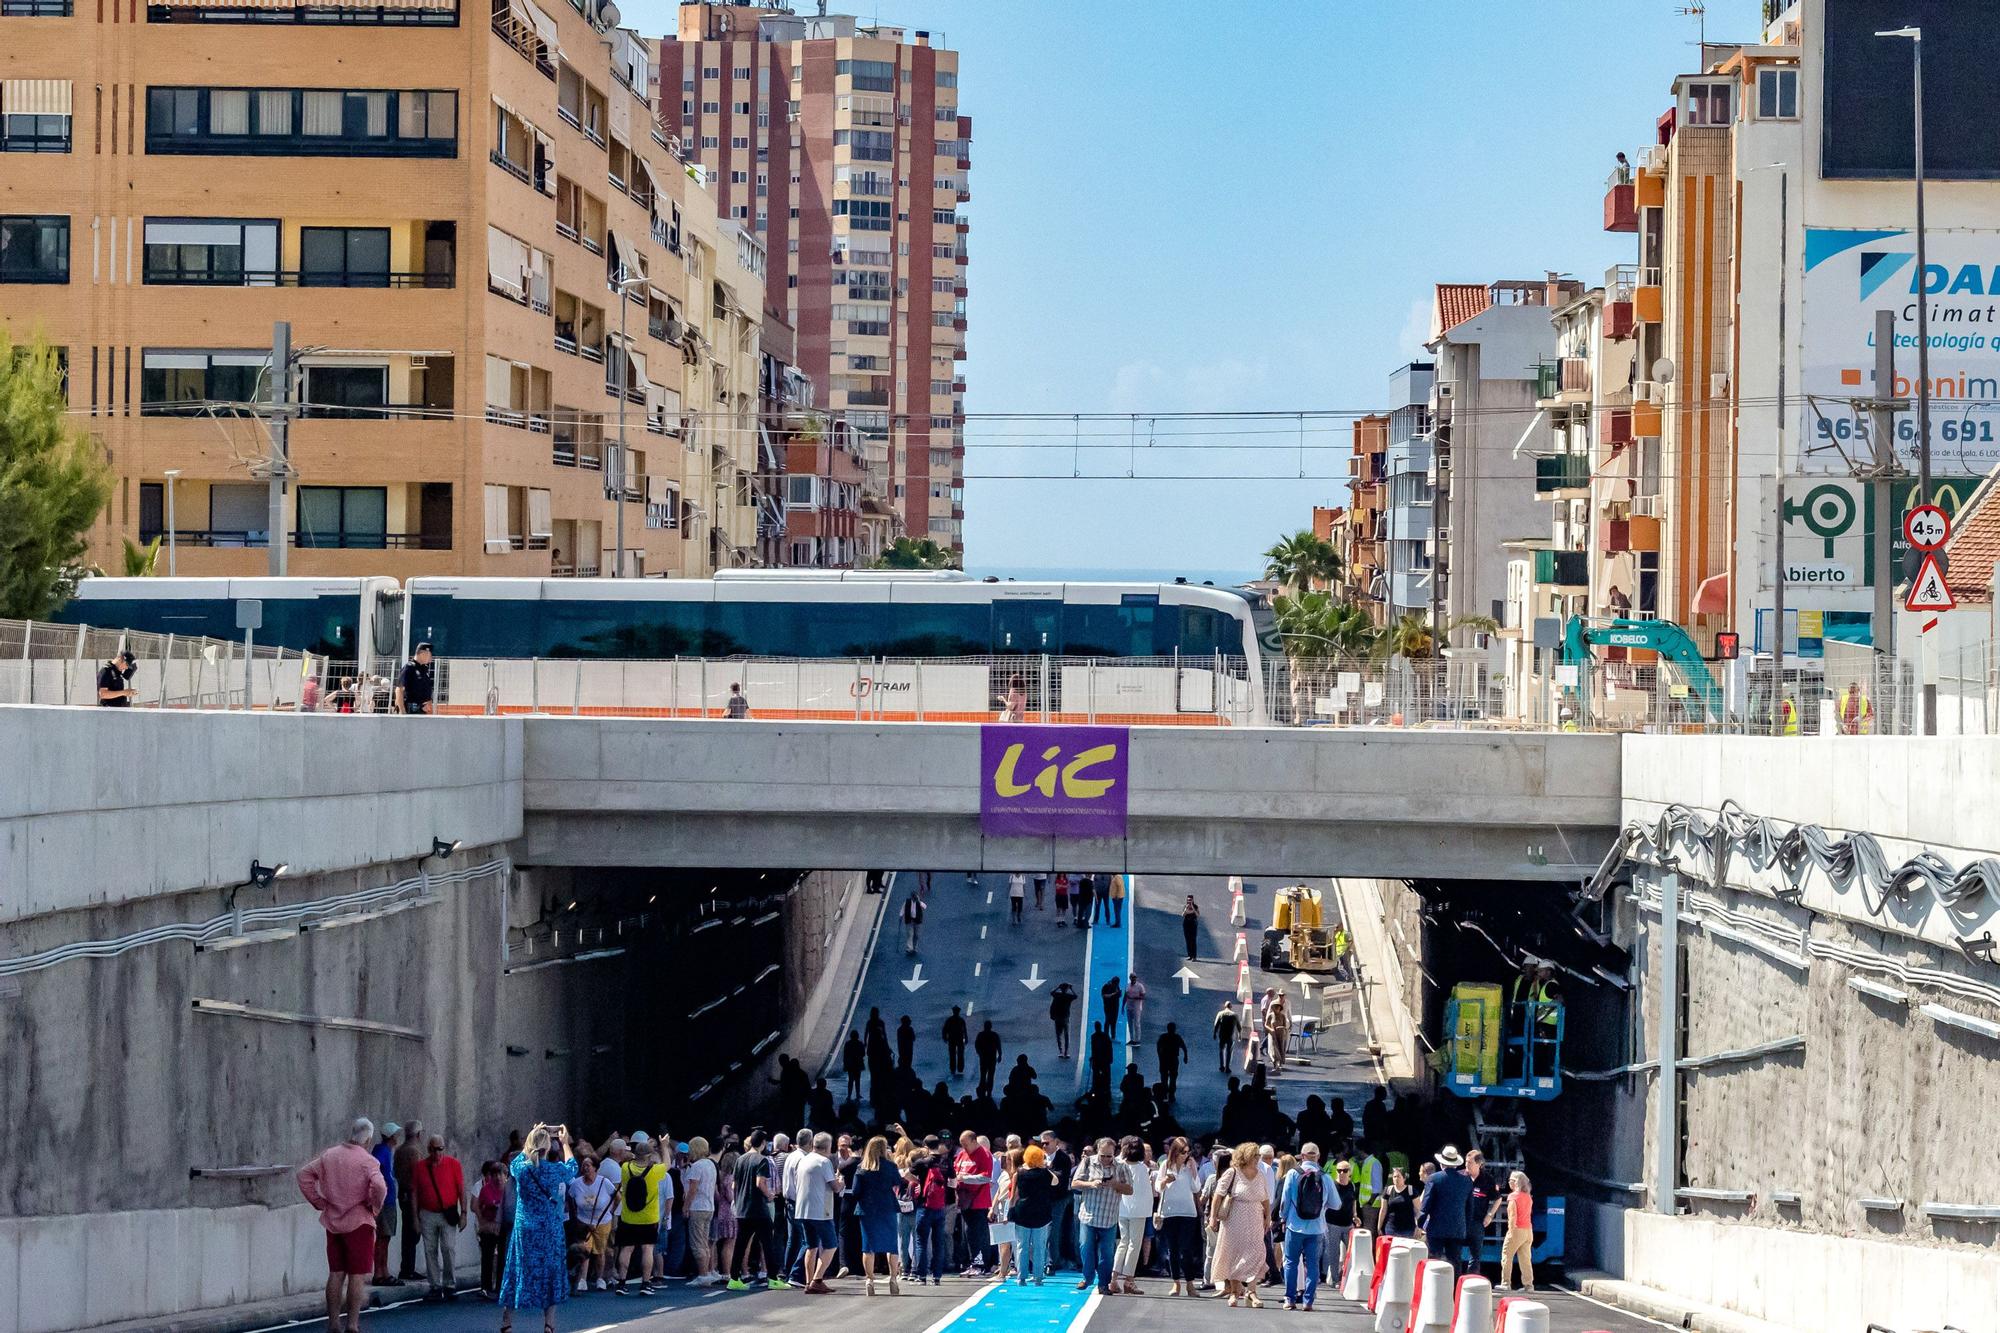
(420, 363)
(1646, 506)
(1718, 385)
(1649, 391)
(1442, 536)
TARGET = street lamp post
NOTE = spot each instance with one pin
(618, 473)
(1916, 38)
(172, 475)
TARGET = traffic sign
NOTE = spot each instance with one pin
(1926, 527)
(1928, 591)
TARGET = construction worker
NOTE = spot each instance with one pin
(1367, 1175)
(1857, 710)
(1788, 716)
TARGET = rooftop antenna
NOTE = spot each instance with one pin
(1696, 10)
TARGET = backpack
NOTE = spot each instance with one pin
(1310, 1200)
(635, 1191)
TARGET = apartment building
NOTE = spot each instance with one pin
(207, 168)
(1407, 494)
(1488, 440)
(1364, 537)
(840, 142)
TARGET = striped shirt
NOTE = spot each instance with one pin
(1099, 1207)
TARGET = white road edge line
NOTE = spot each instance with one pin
(1616, 1309)
(964, 1307)
(861, 977)
(1077, 1324)
(321, 1319)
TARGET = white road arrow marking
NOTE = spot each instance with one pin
(1187, 976)
(1034, 980)
(1305, 984)
(915, 981)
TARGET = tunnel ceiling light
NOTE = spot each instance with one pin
(261, 874)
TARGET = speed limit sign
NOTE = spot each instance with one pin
(1926, 527)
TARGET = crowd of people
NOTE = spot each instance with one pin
(556, 1217)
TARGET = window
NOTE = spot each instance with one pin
(711, 108)
(711, 71)
(947, 113)
(1777, 94)
(346, 390)
(863, 214)
(947, 78)
(34, 115)
(739, 178)
(742, 108)
(196, 383)
(343, 257)
(740, 141)
(34, 249)
(870, 76)
(687, 85)
(709, 141)
(35, 9)
(944, 217)
(1708, 104)
(302, 122)
(867, 145)
(742, 71)
(224, 252)
(345, 517)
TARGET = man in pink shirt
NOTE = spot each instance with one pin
(972, 1174)
(345, 1185)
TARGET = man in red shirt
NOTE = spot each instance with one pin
(345, 1185)
(972, 1173)
(442, 1213)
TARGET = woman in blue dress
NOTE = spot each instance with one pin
(537, 1273)
(878, 1202)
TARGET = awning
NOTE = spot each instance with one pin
(652, 181)
(1711, 598)
(539, 524)
(1533, 422)
(34, 97)
(506, 261)
(621, 116)
(532, 19)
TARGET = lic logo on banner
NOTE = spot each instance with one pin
(1053, 782)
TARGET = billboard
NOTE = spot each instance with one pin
(1830, 526)
(1053, 781)
(1851, 274)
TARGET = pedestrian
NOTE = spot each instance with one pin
(1000, 1231)
(345, 1186)
(1302, 1204)
(1190, 924)
(972, 1176)
(877, 1208)
(1518, 1247)
(1041, 885)
(1060, 1001)
(1033, 1209)
(1112, 995)
(738, 706)
(751, 1197)
(386, 1216)
(818, 1183)
(1173, 1053)
(490, 1203)
(407, 1154)
(1100, 1061)
(1343, 1210)
(114, 682)
(1241, 1215)
(853, 1059)
(1277, 1028)
(593, 1203)
(1135, 1210)
(1396, 1212)
(1086, 899)
(416, 689)
(929, 1195)
(441, 1200)
(1099, 1182)
(1017, 893)
(1117, 895)
(698, 1190)
(1179, 1224)
(1135, 1009)
(1225, 1032)
(724, 1233)
(536, 1274)
(1212, 1171)
(913, 922)
(641, 1186)
(1443, 1212)
(1015, 705)
(987, 1047)
(1063, 914)
(1480, 1208)
(955, 1038)
(906, 1043)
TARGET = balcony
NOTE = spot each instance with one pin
(1647, 304)
(1646, 421)
(1618, 427)
(1638, 533)
(1561, 472)
(1621, 206)
(1562, 569)
(1618, 319)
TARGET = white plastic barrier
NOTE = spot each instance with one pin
(1360, 1274)
(1475, 1306)
(1399, 1285)
(1526, 1317)
(1435, 1292)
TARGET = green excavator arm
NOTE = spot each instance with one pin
(1661, 636)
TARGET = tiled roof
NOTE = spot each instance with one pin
(1456, 302)
(1975, 544)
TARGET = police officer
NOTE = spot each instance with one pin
(417, 684)
(114, 682)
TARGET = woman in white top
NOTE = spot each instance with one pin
(1178, 1218)
(1133, 1211)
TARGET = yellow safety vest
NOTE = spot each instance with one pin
(1364, 1178)
(1864, 710)
(1788, 717)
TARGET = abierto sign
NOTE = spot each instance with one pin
(1851, 274)
(1053, 782)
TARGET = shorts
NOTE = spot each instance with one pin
(820, 1234)
(385, 1221)
(351, 1253)
(597, 1241)
(637, 1233)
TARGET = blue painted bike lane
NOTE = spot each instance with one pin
(1008, 1307)
(1107, 954)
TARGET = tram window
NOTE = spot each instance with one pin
(932, 629)
(842, 629)
(1132, 630)
(1021, 625)
(1202, 632)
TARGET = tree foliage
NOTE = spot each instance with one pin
(1301, 560)
(54, 482)
(922, 554)
(142, 562)
(1314, 626)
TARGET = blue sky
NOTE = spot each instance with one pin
(1224, 207)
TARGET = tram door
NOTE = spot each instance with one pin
(1028, 627)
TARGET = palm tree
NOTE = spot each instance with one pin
(1314, 625)
(1413, 639)
(922, 554)
(1300, 560)
(141, 561)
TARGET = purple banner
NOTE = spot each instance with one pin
(1053, 782)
